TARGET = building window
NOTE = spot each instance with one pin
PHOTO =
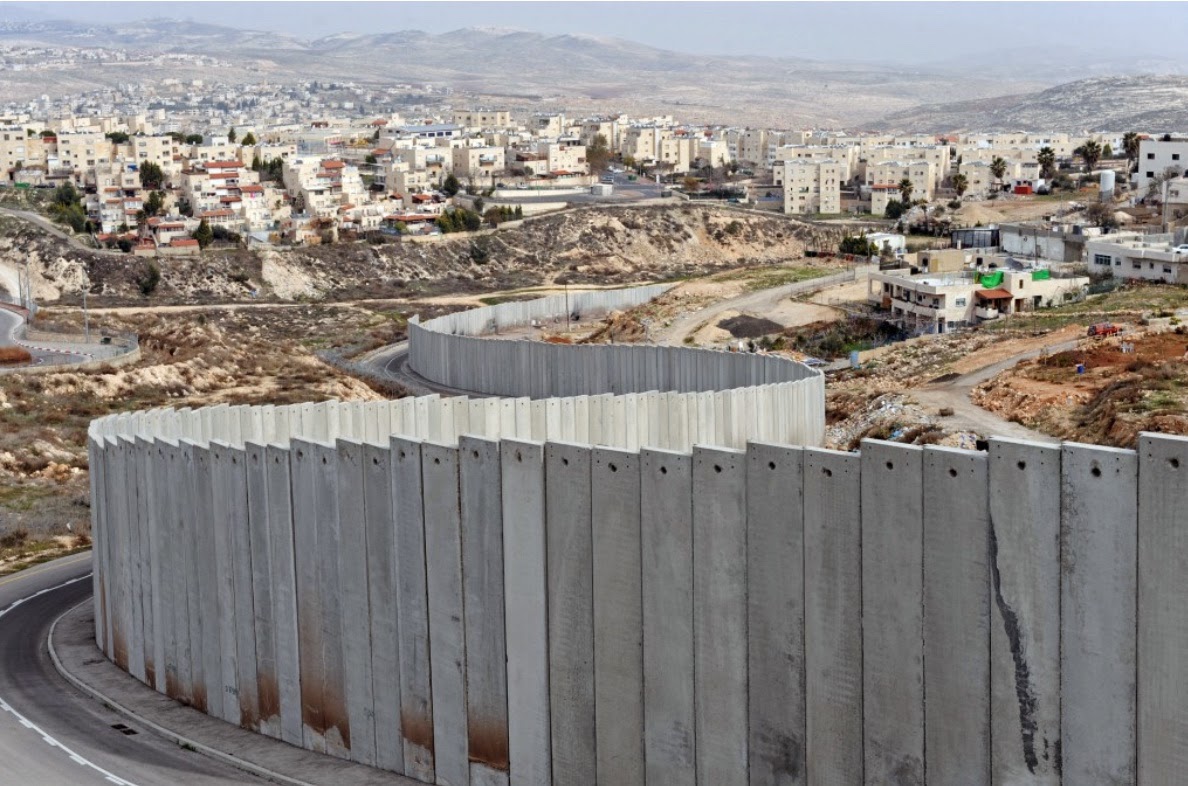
(959, 301)
(1137, 265)
(1150, 173)
(1167, 269)
(1117, 263)
(1150, 156)
(1175, 156)
(1101, 259)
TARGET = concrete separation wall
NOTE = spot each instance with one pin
(511, 612)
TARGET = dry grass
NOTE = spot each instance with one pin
(14, 356)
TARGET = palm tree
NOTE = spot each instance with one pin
(905, 190)
(1090, 152)
(1046, 158)
(960, 184)
(1130, 145)
(998, 168)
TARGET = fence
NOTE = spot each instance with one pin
(512, 612)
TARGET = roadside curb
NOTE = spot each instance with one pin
(181, 740)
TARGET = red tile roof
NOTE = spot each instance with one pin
(179, 242)
(223, 164)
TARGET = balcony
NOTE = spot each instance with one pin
(987, 313)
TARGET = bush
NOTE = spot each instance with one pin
(149, 281)
(14, 356)
(895, 209)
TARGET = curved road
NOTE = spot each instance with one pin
(9, 323)
(52, 735)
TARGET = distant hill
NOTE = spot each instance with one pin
(1150, 103)
(580, 73)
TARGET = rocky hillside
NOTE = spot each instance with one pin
(605, 245)
(1148, 103)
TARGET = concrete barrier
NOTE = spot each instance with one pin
(642, 587)
(506, 611)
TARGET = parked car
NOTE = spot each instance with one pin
(1103, 329)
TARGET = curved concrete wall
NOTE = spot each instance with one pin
(507, 611)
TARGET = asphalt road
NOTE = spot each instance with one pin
(52, 735)
(10, 321)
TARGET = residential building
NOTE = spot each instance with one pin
(884, 178)
(949, 301)
(478, 162)
(1139, 257)
(812, 186)
(482, 118)
(1157, 156)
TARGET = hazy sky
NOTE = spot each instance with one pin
(892, 32)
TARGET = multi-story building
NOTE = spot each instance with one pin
(478, 162)
(884, 177)
(323, 185)
(482, 118)
(559, 157)
(812, 186)
(1156, 157)
(949, 301)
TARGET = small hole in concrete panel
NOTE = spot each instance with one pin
(717, 468)
(664, 470)
(613, 468)
(1021, 465)
(402, 454)
(771, 465)
(375, 461)
(519, 456)
(827, 472)
(565, 462)
(890, 465)
(1175, 463)
(1095, 472)
(301, 454)
(234, 460)
(323, 459)
(952, 473)
(436, 461)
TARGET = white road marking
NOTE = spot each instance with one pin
(110, 777)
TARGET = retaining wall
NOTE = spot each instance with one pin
(507, 611)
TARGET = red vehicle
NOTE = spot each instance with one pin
(1103, 329)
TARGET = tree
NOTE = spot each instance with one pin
(117, 137)
(46, 134)
(479, 202)
(154, 203)
(598, 153)
(194, 139)
(249, 139)
(960, 184)
(231, 135)
(1102, 215)
(1130, 145)
(151, 175)
(1046, 158)
(894, 210)
(184, 207)
(905, 190)
(451, 185)
(1107, 152)
(1090, 153)
(857, 245)
(371, 159)
(203, 234)
(998, 168)
(375, 137)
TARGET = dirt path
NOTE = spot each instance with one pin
(955, 393)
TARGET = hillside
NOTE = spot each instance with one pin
(603, 245)
(1151, 103)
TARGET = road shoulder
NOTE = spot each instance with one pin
(72, 649)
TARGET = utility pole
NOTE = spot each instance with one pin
(86, 318)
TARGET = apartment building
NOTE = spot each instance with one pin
(482, 118)
(751, 146)
(1157, 156)
(846, 155)
(714, 152)
(938, 155)
(949, 301)
(561, 157)
(549, 125)
(323, 185)
(77, 153)
(812, 186)
(883, 179)
(478, 162)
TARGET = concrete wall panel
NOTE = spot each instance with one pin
(775, 614)
(892, 614)
(833, 618)
(618, 616)
(1025, 613)
(956, 617)
(666, 522)
(720, 615)
(447, 642)
(1162, 610)
(571, 613)
(1098, 595)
